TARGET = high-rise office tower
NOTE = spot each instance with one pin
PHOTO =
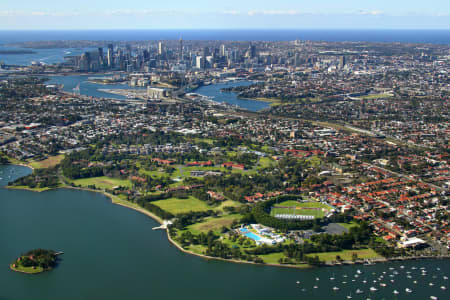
(110, 54)
(180, 50)
(160, 48)
(342, 62)
(100, 56)
(252, 51)
(222, 50)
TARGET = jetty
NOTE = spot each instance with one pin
(164, 225)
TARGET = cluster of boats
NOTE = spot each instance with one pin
(374, 282)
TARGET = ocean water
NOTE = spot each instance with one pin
(374, 35)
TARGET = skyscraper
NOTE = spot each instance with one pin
(222, 50)
(180, 53)
(342, 62)
(100, 56)
(160, 48)
(110, 54)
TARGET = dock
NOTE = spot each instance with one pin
(163, 226)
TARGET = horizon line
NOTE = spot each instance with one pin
(230, 29)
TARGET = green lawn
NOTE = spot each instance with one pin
(273, 258)
(376, 96)
(214, 224)
(199, 249)
(346, 254)
(307, 212)
(265, 162)
(228, 203)
(349, 225)
(178, 206)
(24, 187)
(47, 163)
(103, 182)
(28, 270)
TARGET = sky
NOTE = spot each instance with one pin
(225, 14)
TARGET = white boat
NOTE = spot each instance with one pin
(445, 277)
(443, 288)
(395, 292)
(298, 282)
(349, 296)
(358, 271)
(433, 298)
(315, 286)
(332, 277)
(415, 281)
(364, 281)
(344, 282)
(431, 284)
(408, 290)
(382, 284)
(317, 278)
(358, 291)
(335, 288)
(373, 289)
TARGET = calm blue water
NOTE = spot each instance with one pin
(213, 90)
(87, 88)
(375, 35)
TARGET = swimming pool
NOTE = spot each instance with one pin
(250, 234)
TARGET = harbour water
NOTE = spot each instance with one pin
(214, 91)
(88, 88)
(111, 252)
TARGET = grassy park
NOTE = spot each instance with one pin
(316, 209)
(214, 224)
(179, 206)
(346, 254)
(102, 182)
(50, 162)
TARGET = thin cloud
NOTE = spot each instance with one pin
(14, 13)
(274, 12)
(371, 13)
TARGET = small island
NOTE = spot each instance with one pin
(35, 261)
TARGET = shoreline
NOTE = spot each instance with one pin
(23, 272)
(124, 203)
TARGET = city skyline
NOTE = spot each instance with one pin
(285, 14)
